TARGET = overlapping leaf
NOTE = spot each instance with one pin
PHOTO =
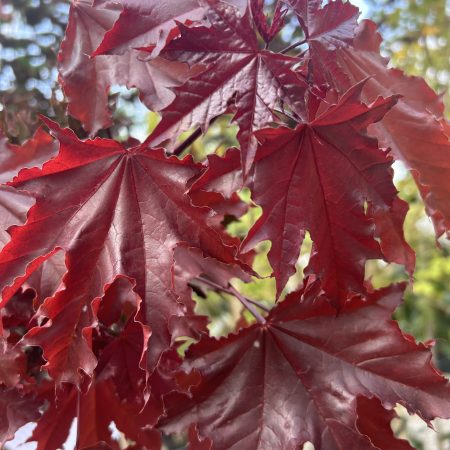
(152, 21)
(97, 409)
(414, 129)
(237, 73)
(326, 172)
(33, 153)
(120, 212)
(326, 30)
(14, 205)
(16, 410)
(86, 80)
(298, 377)
(12, 364)
(114, 244)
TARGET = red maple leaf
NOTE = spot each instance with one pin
(86, 80)
(152, 23)
(321, 185)
(103, 244)
(16, 410)
(94, 411)
(415, 128)
(122, 213)
(298, 377)
(342, 55)
(236, 74)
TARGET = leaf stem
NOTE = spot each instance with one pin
(190, 140)
(292, 46)
(246, 302)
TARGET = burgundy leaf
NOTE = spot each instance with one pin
(97, 409)
(267, 32)
(326, 30)
(321, 186)
(236, 72)
(16, 410)
(124, 358)
(414, 129)
(12, 364)
(375, 421)
(298, 378)
(191, 263)
(33, 153)
(151, 23)
(123, 214)
(223, 175)
(86, 80)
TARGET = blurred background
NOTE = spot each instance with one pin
(416, 33)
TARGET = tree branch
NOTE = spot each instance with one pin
(246, 302)
(292, 46)
(191, 139)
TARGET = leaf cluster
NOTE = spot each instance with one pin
(104, 243)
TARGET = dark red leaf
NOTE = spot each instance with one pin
(12, 364)
(149, 22)
(191, 263)
(375, 421)
(97, 409)
(19, 311)
(124, 358)
(414, 129)
(121, 212)
(326, 30)
(236, 73)
(298, 377)
(268, 32)
(321, 185)
(223, 175)
(86, 80)
(34, 152)
(16, 410)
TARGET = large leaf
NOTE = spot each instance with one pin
(298, 377)
(237, 73)
(327, 171)
(113, 212)
(415, 129)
